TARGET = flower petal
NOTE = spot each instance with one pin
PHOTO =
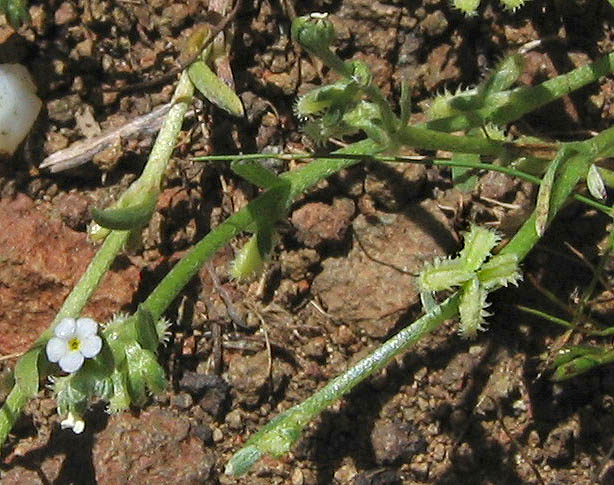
(86, 327)
(90, 346)
(56, 348)
(65, 328)
(71, 361)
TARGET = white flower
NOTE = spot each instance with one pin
(74, 422)
(74, 341)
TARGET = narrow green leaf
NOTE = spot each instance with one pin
(214, 89)
(471, 308)
(477, 245)
(125, 218)
(26, 372)
(254, 172)
(542, 208)
(243, 460)
(567, 354)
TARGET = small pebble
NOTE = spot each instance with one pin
(217, 435)
(182, 400)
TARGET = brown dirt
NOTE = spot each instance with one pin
(450, 411)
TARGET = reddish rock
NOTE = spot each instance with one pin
(40, 261)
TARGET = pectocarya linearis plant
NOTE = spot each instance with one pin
(125, 368)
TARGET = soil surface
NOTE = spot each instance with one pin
(341, 278)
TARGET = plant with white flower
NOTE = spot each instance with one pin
(74, 341)
(119, 365)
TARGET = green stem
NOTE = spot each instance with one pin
(166, 141)
(425, 139)
(277, 437)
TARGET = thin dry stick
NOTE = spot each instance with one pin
(518, 446)
(268, 347)
(594, 270)
(11, 356)
(82, 151)
(230, 307)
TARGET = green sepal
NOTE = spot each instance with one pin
(146, 334)
(136, 382)
(500, 270)
(468, 7)
(249, 261)
(152, 372)
(93, 379)
(367, 117)
(16, 12)
(71, 394)
(214, 89)
(478, 243)
(339, 94)
(471, 308)
(443, 275)
(512, 5)
(120, 399)
(314, 32)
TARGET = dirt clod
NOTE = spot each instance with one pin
(317, 223)
(394, 441)
(156, 445)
